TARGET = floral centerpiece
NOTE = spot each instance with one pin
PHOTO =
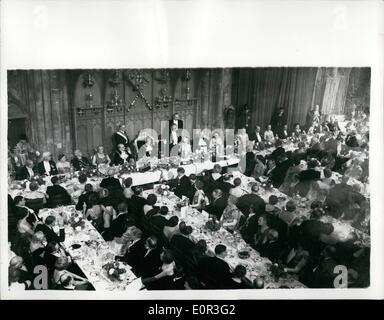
(212, 224)
(76, 221)
(163, 190)
(114, 271)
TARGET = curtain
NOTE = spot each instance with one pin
(267, 89)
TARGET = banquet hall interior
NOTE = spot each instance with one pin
(188, 179)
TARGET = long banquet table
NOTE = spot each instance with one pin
(256, 265)
(94, 252)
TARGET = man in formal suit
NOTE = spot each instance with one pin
(182, 247)
(151, 261)
(219, 203)
(214, 272)
(157, 221)
(49, 232)
(136, 249)
(137, 199)
(57, 195)
(47, 166)
(120, 137)
(176, 121)
(183, 184)
(213, 180)
(283, 133)
(278, 174)
(79, 162)
(84, 197)
(278, 119)
(174, 140)
(252, 200)
(255, 136)
(120, 223)
(111, 183)
(224, 184)
(27, 171)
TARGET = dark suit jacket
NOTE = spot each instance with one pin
(111, 183)
(150, 264)
(24, 173)
(117, 228)
(41, 168)
(253, 137)
(217, 207)
(309, 174)
(84, 198)
(50, 234)
(135, 255)
(248, 200)
(282, 135)
(180, 124)
(156, 225)
(279, 173)
(214, 273)
(82, 163)
(57, 191)
(119, 139)
(183, 186)
(181, 245)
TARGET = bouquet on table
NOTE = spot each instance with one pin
(163, 190)
(213, 224)
(76, 221)
(115, 271)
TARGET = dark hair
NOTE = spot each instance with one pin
(51, 246)
(290, 206)
(128, 182)
(49, 220)
(173, 221)
(192, 176)
(54, 180)
(151, 199)
(237, 182)
(273, 200)
(180, 170)
(316, 204)
(137, 190)
(93, 199)
(168, 257)
(34, 186)
(122, 207)
(240, 271)
(301, 145)
(312, 164)
(185, 230)
(18, 199)
(220, 248)
(82, 178)
(61, 156)
(152, 242)
(199, 184)
(164, 210)
(88, 187)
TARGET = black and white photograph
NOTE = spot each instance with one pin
(190, 178)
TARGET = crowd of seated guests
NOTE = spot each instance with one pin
(159, 248)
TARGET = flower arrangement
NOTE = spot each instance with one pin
(114, 271)
(76, 221)
(277, 270)
(213, 225)
(163, 190)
